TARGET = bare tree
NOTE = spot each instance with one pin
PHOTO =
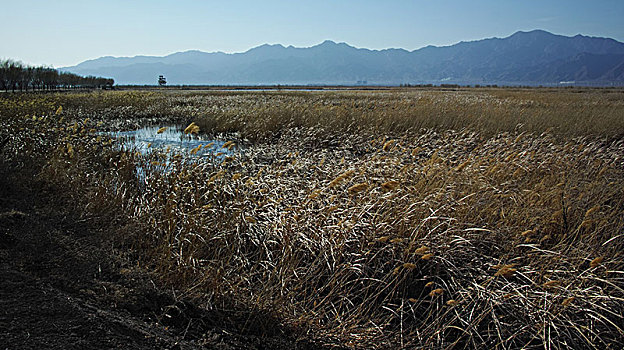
(4, 75)
(25, 78)
(15, 75)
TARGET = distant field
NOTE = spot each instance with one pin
(434, 218)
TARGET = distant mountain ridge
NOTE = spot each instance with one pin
(527, 58)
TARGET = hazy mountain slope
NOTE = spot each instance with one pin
(581, 67)
(535, 57)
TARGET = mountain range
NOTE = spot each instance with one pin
(525, 58)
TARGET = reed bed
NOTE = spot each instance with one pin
(406, 219)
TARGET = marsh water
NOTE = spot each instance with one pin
(172, 139)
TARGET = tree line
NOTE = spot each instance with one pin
(15, 76)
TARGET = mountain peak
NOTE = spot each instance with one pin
(277, 46)
(266, 47)
(332, 44)
(533, 33)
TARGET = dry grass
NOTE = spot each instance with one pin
(432, 219)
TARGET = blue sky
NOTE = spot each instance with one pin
(66, 32)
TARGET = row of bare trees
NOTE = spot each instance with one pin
(16, 76)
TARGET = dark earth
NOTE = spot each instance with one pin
(63, 285)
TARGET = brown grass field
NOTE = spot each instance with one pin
(407, 218)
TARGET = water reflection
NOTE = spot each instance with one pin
(173, 139)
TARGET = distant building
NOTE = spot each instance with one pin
(162, 81)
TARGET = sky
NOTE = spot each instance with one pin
(66, 32)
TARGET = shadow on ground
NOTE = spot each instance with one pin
(63, 286)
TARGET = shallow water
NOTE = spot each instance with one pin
(173, 138)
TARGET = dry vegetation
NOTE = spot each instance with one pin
(436, 219)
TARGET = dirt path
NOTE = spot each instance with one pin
(61, 288)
